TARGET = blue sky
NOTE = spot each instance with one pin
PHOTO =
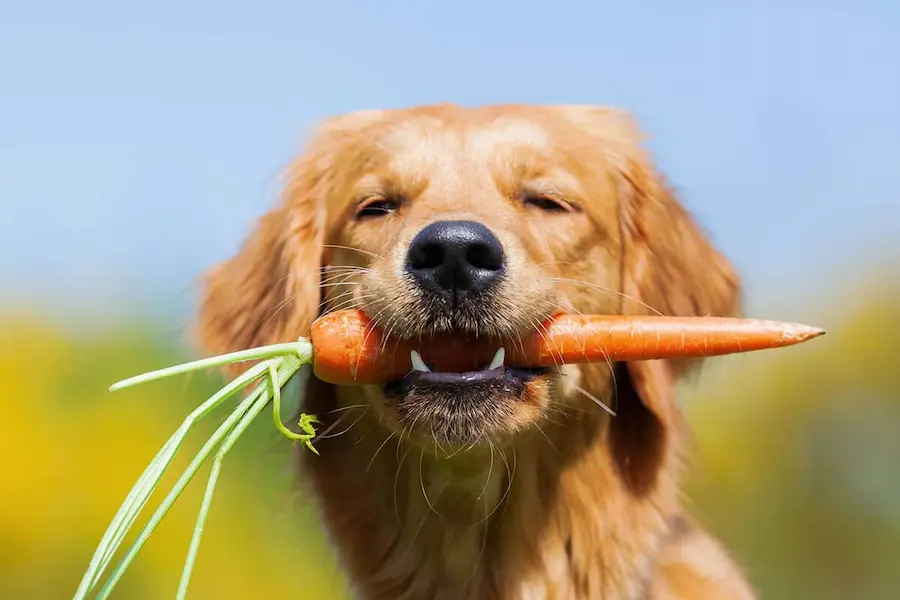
(137, 144)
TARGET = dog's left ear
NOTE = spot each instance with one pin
(669, 267)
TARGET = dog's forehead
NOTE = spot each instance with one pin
(467, 138)
(478, 158)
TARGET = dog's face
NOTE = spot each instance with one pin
(473, 226)
(473, 223)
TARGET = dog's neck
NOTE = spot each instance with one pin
(548, 516)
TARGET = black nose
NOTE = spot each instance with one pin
(453, 257)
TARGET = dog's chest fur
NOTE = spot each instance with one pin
(519, 523)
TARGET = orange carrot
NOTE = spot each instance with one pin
(348, 349)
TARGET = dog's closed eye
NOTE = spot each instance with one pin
(377, 206)
(548, 202)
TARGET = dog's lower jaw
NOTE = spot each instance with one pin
(550, 521)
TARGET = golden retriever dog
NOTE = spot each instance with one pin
(503, 483)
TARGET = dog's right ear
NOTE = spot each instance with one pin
(269, 291)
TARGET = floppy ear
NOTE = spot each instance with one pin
(669, 267)
(269, 291)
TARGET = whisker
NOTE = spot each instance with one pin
(355, 301)
(371, 329)
(360, 297)
(612, 374)
(566, 414)
(551, 420)
(438, 447)
(512, 474)
(352, 249)
(509, 481)
(549, 441)
(345, 268)
(473, 444)
(341, 295)
(422, 484)
(344, 296)
(595, 400)
(460, 449)
(347, 304)
(484, 537)
(327, 435)
(338, 277)
(487, 480)
(338, 283)
(607, 290)
(352, 302)
(353, 268)
(343, 408)
(541, 329)
(334, 424)
(518, 342)
(387, 328)
(397, 480)
(284, 303)
(606, 358)
(563, 308)
(278, 308)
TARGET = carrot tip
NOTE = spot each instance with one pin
(801, 333)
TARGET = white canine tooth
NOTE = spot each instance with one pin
(497, 361)
(417, 363)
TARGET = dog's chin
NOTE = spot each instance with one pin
(453, 411)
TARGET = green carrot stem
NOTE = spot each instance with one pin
(280, 362)
(227, 443)
(301, 348)
(177, 490)
(149, 480)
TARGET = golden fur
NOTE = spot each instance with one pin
(552, 497)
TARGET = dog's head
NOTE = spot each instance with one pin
(475, 222)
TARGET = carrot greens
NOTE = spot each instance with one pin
(276, 365)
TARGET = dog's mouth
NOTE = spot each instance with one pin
(450, 376)
(459, 400)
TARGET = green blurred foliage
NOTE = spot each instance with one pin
(796, 456)
(70, 451)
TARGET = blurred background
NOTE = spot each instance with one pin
(138, 142)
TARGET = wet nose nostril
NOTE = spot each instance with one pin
(426, 256)
(483, 256)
